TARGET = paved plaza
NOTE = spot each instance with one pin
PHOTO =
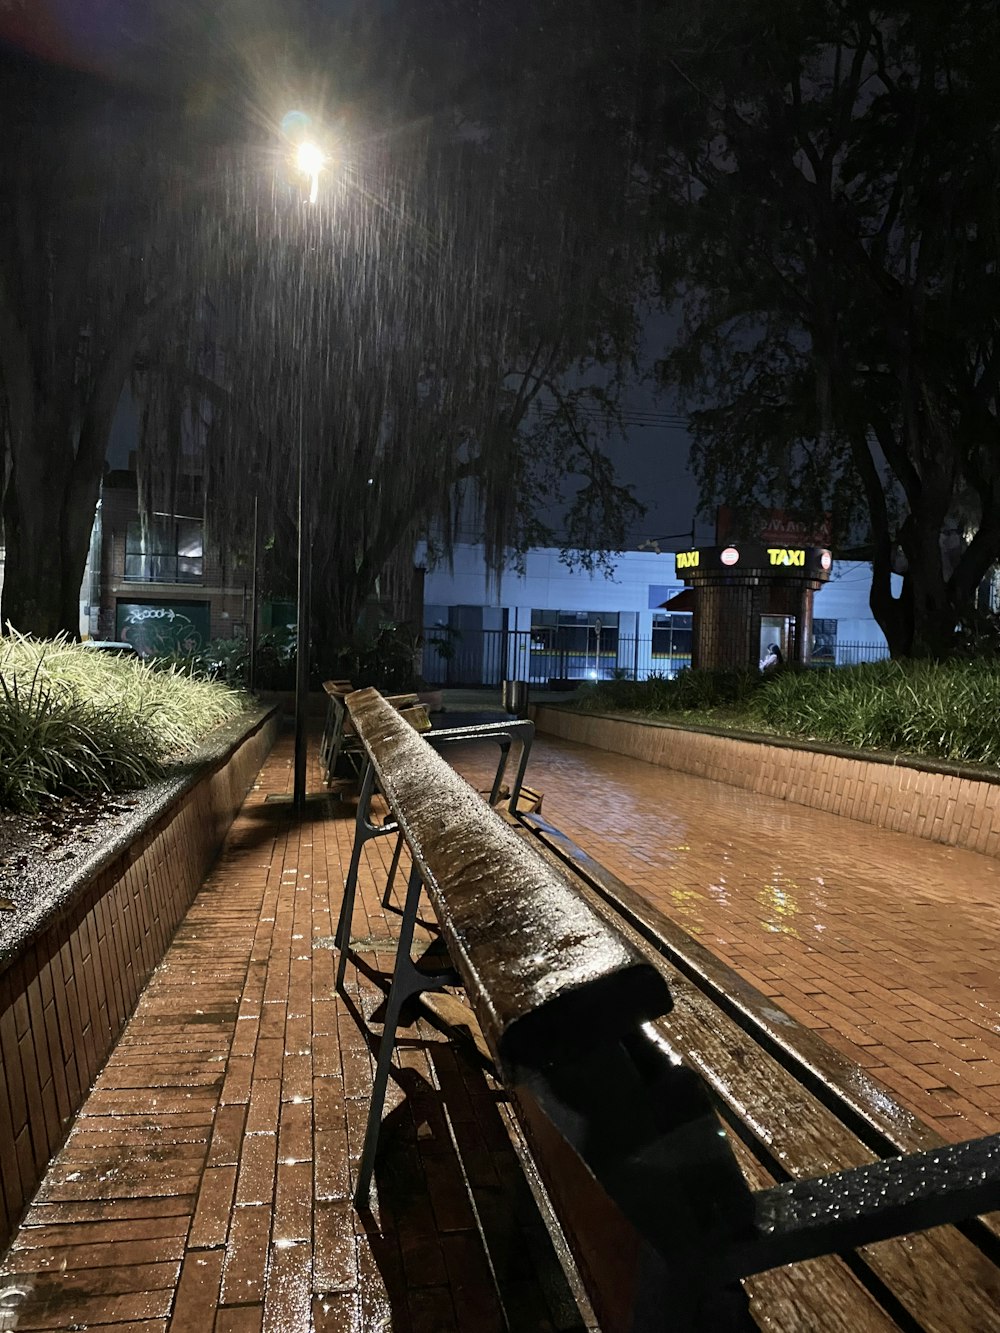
(206, 1183)
(888, 946)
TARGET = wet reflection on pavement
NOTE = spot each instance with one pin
(885, 944)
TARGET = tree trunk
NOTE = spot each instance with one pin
(49, 509)
(934, 622)
(337, 601)
(44, 565)
(894, 615)
(58, 441)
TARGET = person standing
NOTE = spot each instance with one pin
(772, 659)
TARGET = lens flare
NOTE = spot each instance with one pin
(294, 124)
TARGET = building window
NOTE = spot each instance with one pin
(672, 636)
(172, 551)
(574, 645)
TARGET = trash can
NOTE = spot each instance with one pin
(514, 697)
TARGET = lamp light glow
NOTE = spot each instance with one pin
(310, 160)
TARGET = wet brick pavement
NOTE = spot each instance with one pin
(888, 946)
(206, 1184)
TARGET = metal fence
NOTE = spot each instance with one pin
(853, 654)
(487, 657)
(491, 656)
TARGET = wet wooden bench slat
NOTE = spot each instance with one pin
(504, 916)
(820, 1294)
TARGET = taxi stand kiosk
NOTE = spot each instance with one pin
(739, 588)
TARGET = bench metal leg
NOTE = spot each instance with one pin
(326, 744)
(334, 741)
(501, 734)
(525, 733)
(392, 870)
(338, 741)
(364, 830)
(407, 981)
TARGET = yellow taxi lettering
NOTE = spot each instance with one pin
(781, 555)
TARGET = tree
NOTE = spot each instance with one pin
(77, 215)
(829, 179)
(421, 327)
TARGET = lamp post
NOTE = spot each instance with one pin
(254, 622)
(309, 160)
(302, 635)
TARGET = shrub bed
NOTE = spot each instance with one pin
(942, 710)
(74, 721)
(688, 691)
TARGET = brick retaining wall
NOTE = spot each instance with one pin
(67, 991)
(948, 804)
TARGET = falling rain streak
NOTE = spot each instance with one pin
(407, 294)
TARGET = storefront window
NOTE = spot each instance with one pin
(577, 645)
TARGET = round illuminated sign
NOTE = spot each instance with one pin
(729, 556)
(825, 560)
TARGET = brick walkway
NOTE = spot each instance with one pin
(206, 1184)
(886, 945)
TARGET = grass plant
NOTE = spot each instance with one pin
(687, 692)
(73, 720)
(940, 710)
(944, 710)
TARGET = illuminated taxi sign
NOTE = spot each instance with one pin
(784, 555)
(750, 560)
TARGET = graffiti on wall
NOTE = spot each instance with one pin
(157, 629)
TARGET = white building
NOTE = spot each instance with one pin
(552, 623)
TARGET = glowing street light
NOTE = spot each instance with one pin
(310, 161)
(303, 155)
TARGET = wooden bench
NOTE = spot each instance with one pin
(572, 993)
(502, 736)
(339, 740)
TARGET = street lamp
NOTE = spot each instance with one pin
(310, 161)
(307, 158)
(303, 634)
